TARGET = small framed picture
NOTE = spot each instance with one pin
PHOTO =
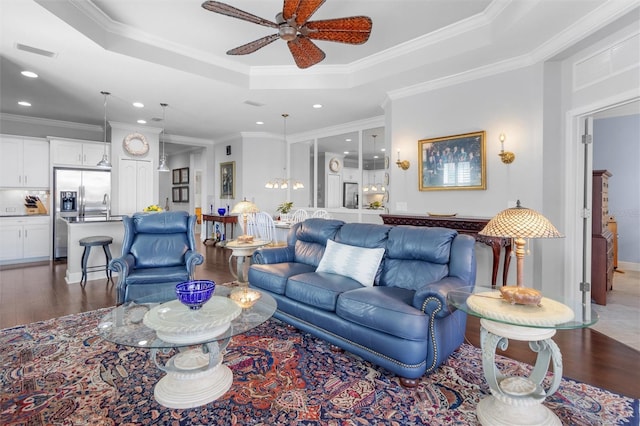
(184, 175)
(175, 174)
(175, 195)
(227, 179)
(184, 194)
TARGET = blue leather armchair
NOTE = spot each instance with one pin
(158, 252)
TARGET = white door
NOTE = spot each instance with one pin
(144, 185)
(11, 242)
(127, 178)
(36, 163)
(36, 240)
(11, 162)
(334, 195)
(92, 153)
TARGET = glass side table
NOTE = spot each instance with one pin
(518, 400)
(196, 375)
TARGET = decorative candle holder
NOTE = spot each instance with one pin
(245, 297)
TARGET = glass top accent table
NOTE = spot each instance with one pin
(518, 400)
(195, 375)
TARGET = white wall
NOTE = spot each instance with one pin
(510, 102)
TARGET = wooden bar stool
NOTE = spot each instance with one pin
(89, 242)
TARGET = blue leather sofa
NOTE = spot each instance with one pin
(402, 322)
(158, 251)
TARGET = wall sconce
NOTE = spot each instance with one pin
(506, 156)
(403, 164)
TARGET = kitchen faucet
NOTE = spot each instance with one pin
(106, 200)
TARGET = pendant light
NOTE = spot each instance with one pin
(162, 167)
(104, 163)
(283, 183)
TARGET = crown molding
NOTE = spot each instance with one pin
(48, 122)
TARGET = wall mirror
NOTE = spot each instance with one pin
(375, 172)
(346, 163)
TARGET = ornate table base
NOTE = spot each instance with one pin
(518, 400)
(193, 378)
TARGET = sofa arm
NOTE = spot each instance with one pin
(267, 256)
(192, 259)
(432, 298)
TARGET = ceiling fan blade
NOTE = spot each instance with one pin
(304, 52)
(225, 9)
(351, 30)
(302, 9)
(254, 45)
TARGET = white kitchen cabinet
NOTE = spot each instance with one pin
(135, 185)
(76, 153)
(24, 239)
(24, 163)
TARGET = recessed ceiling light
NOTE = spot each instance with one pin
(142, 121)
(346, 152)
(259, 122)
(138, 104)
(383, 149)
(347, 140)
(24, 103)
(316, 106)
(375, 156)
(29, 74)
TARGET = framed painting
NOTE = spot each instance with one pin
(227, 179)
(452, 162)
(175, 174)
(175, 192)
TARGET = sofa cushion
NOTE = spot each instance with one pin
(153, 250)
(358, 263)
(387, 309)
(311, 238)
(274, 277)
(154, 275)
(319, 289)
(416, 256)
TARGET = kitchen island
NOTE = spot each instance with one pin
(82, 227)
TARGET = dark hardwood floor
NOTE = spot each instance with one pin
(37, 291)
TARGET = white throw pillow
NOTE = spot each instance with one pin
(358, 263)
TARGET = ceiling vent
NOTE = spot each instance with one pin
(254, 103)
(35, 50)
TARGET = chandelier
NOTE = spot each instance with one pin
(283, 183)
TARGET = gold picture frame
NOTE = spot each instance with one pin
(228, 180)
(452, 162)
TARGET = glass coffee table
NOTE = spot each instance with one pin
(518, 400)
(195, 375)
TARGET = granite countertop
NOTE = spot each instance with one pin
(92, 219)
(25, 215)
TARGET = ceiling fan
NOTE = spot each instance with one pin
(295, 28)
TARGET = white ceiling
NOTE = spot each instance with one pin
(173, 51)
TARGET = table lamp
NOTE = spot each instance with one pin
(245, 207)
(519, 223)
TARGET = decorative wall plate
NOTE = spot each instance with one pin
(135, 144)
(334, 165)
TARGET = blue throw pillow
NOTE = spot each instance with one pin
(358, 263)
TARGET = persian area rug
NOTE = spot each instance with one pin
(59, 372)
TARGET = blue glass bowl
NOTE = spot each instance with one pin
(195, 293)
(222, 212)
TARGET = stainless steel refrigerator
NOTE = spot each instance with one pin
(77, 193)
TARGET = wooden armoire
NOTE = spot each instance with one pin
(601, 239)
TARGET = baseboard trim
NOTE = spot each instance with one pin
(628, 266)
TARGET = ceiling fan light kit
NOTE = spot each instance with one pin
(294, 28)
